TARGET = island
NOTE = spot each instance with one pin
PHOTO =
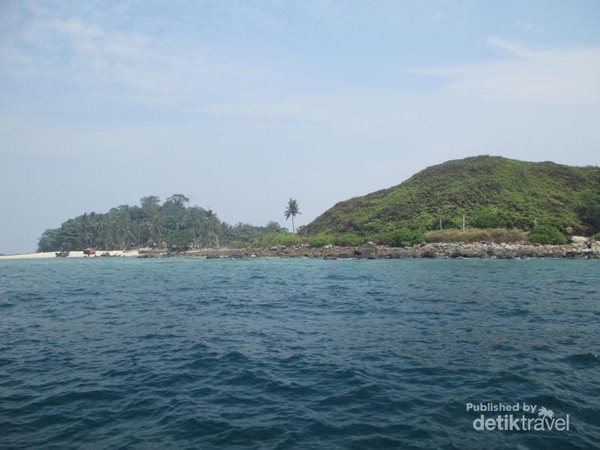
(482, 206)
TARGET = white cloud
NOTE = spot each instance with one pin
(131, 66)
(532, 27)
(512, 48)
(563, 75)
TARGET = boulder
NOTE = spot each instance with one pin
(367, 251)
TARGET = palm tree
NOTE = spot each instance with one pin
(195, 221)
(212, 229)
(291, 210)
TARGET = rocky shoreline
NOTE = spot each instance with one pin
(582, 249)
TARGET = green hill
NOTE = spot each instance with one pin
(482, 191)
(172, 224)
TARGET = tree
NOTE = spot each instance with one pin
(547, 234)
(212, 229)
(291, 211)
(489, 217)
(178, 200)
(151, 202)
(273, 227)
(591, 210)
(403, 237)
(174, 224)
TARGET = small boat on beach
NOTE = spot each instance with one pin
(62, 254)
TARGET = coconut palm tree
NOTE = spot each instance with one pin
(291, 211)
(212, 229)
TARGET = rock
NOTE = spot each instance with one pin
(428, 254)
(368, 251)
(582, 240)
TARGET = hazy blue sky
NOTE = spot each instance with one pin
(243, 104)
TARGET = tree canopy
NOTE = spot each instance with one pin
(173, 223)
(291, 211)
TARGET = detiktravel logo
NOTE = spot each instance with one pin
(516, 417)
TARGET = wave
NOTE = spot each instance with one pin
(300, 354)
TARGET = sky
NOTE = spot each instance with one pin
(242, 105)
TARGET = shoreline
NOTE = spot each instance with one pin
(481, 250)
(427, 250)
(73, 254)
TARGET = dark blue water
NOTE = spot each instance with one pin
(192, 353)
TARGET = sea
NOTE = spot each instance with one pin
(191, 353)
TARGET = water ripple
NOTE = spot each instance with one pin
(277, 354)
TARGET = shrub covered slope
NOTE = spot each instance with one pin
(479, 192)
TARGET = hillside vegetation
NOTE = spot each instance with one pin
(174, 223)
(476, 192)
(481, 196)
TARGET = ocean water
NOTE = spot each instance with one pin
(297, 353)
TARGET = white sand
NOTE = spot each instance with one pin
(71, 254)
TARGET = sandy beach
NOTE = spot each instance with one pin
(74, 254)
